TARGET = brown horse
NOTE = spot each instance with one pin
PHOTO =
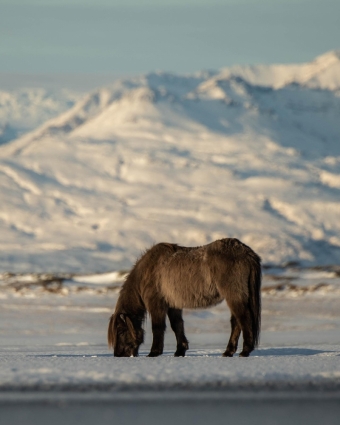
(168, 278)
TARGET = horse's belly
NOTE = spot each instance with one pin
(180, 295)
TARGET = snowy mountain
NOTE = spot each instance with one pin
(321, 73)
(24, 109)
(247, 152)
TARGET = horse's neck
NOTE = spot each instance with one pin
(130, 302)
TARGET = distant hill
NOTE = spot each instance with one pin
(249, 152)
(24, 109)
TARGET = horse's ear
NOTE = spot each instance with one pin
(130, 327)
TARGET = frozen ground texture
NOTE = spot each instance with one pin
(247, 152)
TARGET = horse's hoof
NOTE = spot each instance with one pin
(244, 354)
(179, 353)
(227, 354)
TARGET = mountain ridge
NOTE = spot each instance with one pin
(185, 159)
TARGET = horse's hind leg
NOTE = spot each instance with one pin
(234, 336)
(243, 318)
(177, 325)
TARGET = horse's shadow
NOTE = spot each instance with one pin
(288, 351)
(275, 352)
(265, 352)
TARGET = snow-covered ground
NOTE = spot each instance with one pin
(247, 152)
(55, 365)
(53, 336)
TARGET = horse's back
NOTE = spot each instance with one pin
(193, 277)
(185, 279)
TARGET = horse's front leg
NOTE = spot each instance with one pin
(158, 315)
(177, 325)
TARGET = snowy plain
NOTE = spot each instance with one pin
(46, 328)
(55, 364)
(248, 152)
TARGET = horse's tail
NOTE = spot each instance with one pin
(254, 288)
(111, 332)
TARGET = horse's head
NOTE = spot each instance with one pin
(124, 336)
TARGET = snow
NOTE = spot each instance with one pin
(92, 181)
(247, 152)
(25, 108)
(55, 364)
(56, 340)
(202, 369)
(322, 73)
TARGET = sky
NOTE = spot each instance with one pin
(124, 37)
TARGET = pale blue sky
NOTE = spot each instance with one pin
(130, 36)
